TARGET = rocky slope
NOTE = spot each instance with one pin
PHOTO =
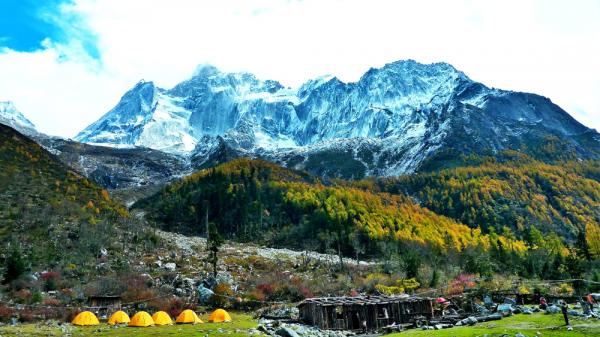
(130, 171)
(392, 121)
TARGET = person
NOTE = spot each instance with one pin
(565, 308)
(585, 306)
(590, 301)
(543, 303)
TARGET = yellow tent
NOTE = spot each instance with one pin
(219, 316)
(188, 316)
(141, 319)
(118, 317)
(85, 318)
(162, 318)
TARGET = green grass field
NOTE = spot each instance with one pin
(529, 325)
(238, 328)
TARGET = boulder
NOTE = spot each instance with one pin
(287, 332)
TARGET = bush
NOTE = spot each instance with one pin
(25, 315)
(70, 314)
(37, 297)
(5, 313)
(50, 279)
(461, 283)
(15, 265)
(221, 297)
(22, 296)
(564, 289)
(51, 302)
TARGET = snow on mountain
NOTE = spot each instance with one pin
(145, 117)
(9, 115)
(387, 123)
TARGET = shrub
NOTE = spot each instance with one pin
(222, 292)
(37, 297)
(565, 289)
(25, 315)
(524, 290)
(51, 302)
(22, 296)
(389, 290)
(70, 314)
(461, 283)
(15, 265)
(50, 279)
(138, 288)
(5, 313)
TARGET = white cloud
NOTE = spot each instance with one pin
(546, 47)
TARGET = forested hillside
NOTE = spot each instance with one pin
(562, 201)
(257, 201)
(49, 212)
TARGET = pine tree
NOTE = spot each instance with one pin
(15, 264)
(215, 240)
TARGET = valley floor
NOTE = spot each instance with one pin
(538, 324)
(243, 325)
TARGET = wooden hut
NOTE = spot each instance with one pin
(104, 305)
(361, 313)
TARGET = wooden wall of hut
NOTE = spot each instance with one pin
(363, 313)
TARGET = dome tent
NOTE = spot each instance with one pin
(85, 318)
(119, 317)
(162, 318)
(188, 317)
(141, 319)
(219, 316)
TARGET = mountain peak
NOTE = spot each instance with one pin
(7, 105)
(388, 122)
(206, 70)
(11, 116)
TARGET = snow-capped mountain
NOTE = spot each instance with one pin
(389, 122)
(9, 115)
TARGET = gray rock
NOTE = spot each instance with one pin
(287, 332)
(170, 266)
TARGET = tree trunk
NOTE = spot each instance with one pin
(340, 254)
(206, 225)
(214, 263)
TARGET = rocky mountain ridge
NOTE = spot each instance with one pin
(388, 123)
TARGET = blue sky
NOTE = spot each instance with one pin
(25, 24)
(65, 63)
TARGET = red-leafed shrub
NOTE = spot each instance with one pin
(50, 279)
(267, 288)
(22, 296)
(257, 295)
(70, 314)
(460, 283)
(52, 302)
(26, 315)
(5, 313)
